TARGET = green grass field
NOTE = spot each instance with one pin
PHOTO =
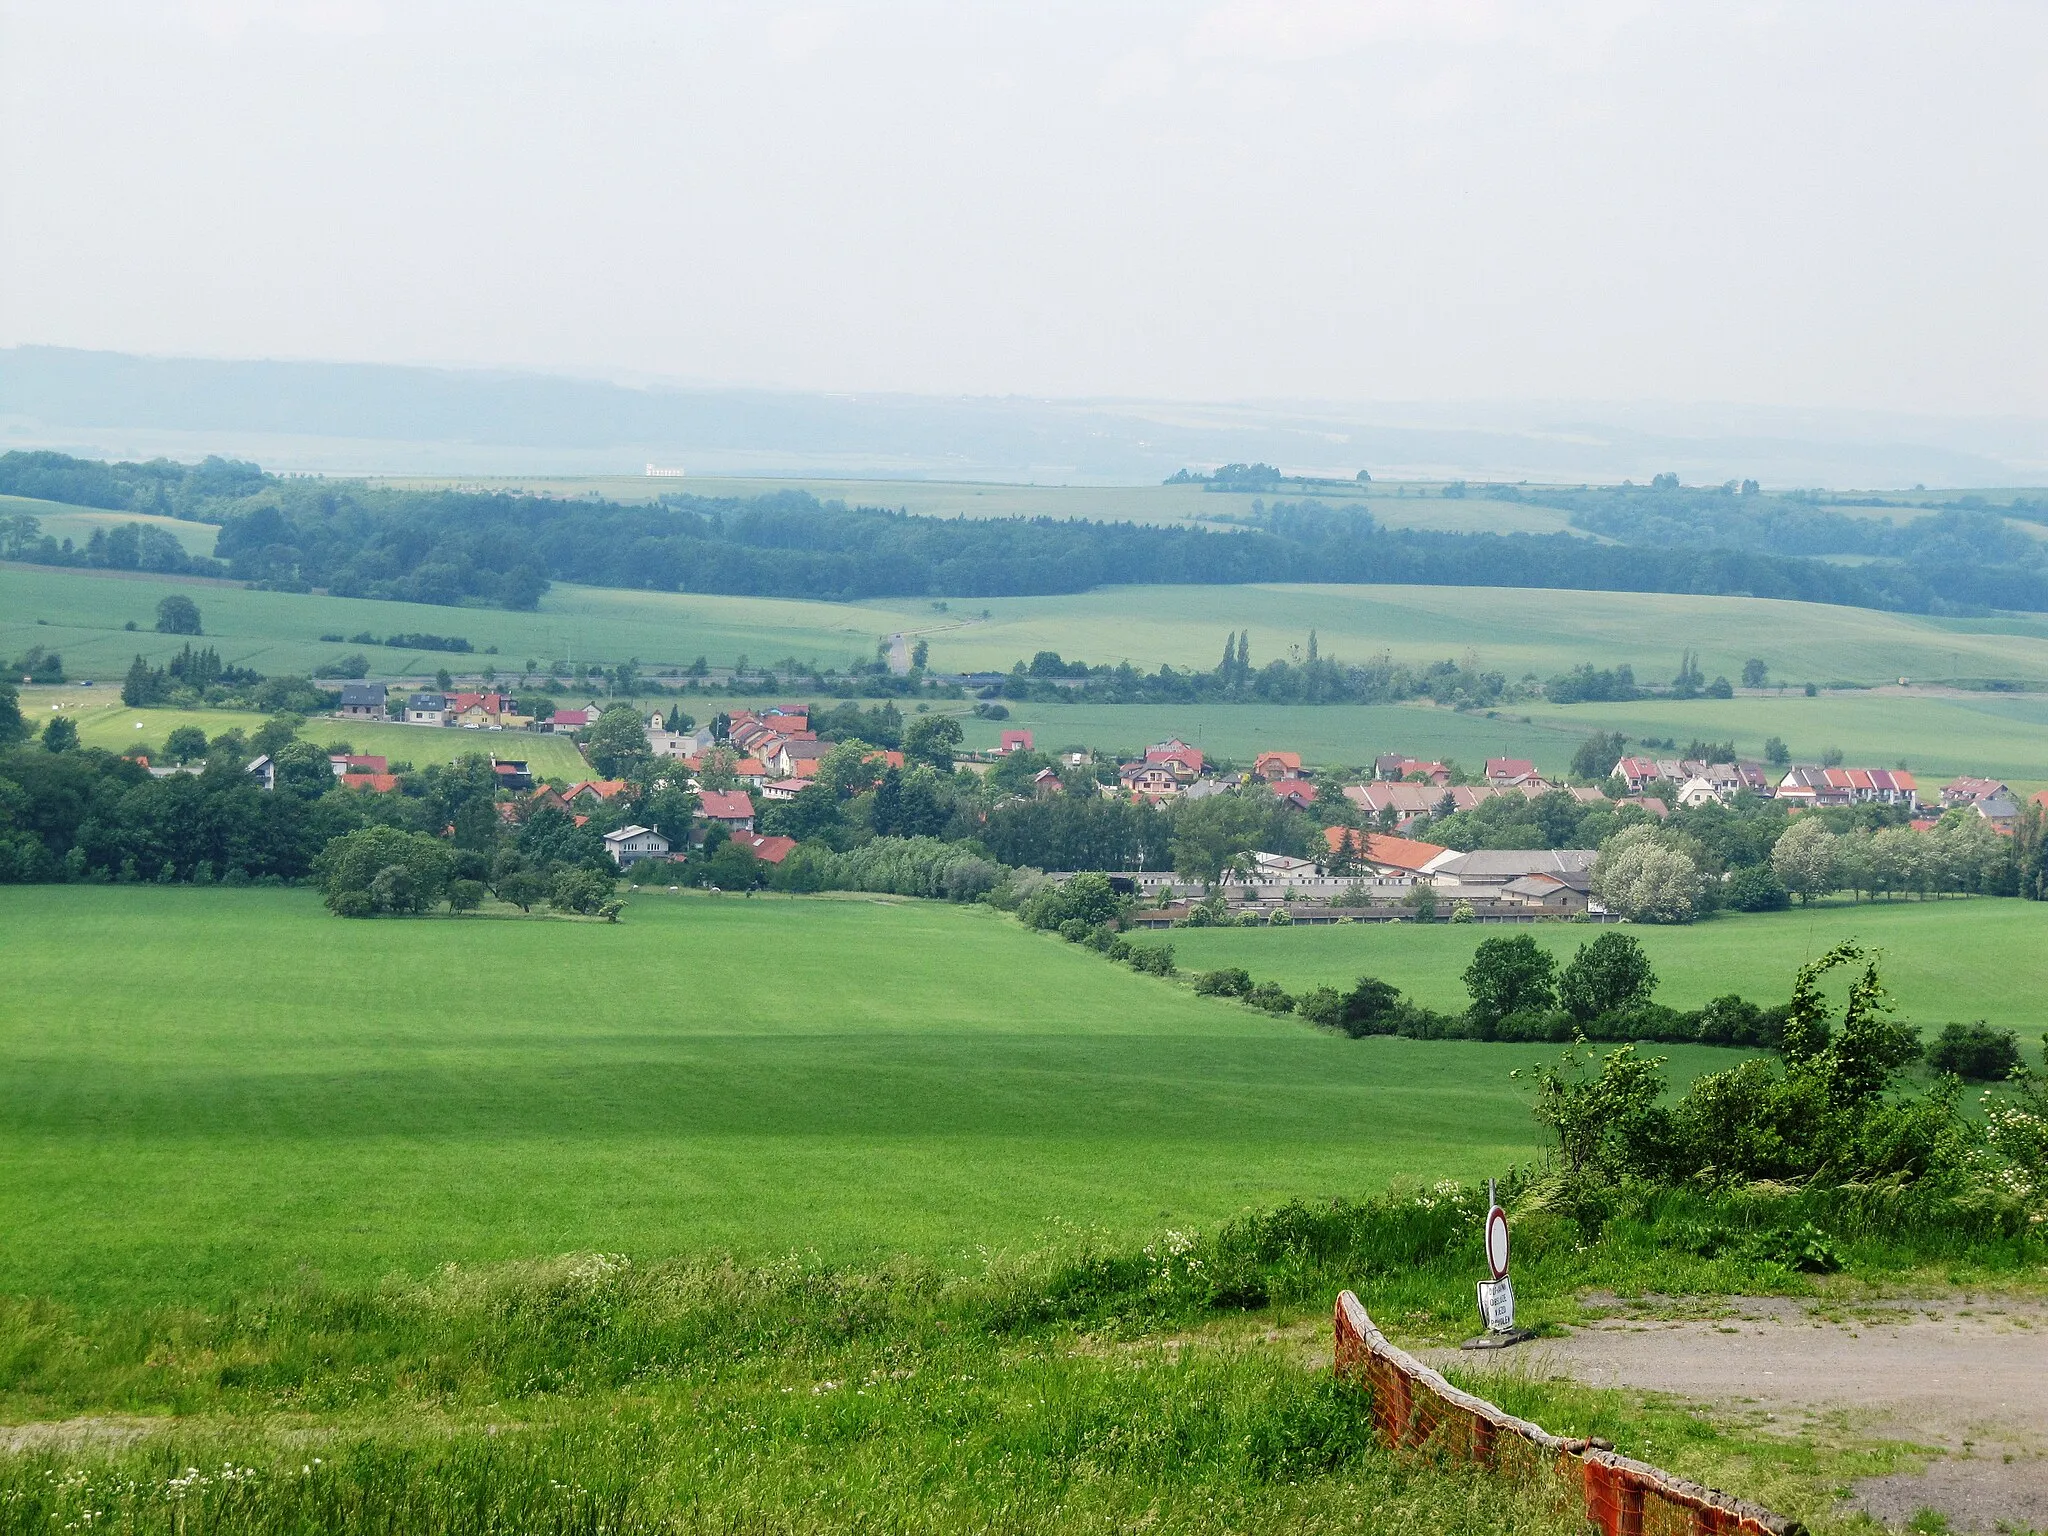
(1944, 961)
(211, 1090)
(1514, 630)
(60, 521)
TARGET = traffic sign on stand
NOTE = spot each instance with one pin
(1497, 1296)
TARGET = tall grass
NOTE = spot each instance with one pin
(1082, 1388)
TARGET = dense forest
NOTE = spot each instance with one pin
(452, 547)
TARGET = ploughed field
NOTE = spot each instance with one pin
(203, 1091)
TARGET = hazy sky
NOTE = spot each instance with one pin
(1808, 204)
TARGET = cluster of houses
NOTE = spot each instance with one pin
(489, 711)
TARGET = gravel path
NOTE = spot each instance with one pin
(1966, 1375)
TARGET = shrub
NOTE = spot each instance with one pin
(465, 895)
(342, 904)
(1074, 930)
(1975, 1051)
(1231, 982)
(1462, 913)
(1268, 998)
(1152, 959)
(1281, 918)
(1610, 973)
(1321, 1005)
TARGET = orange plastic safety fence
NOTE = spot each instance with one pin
(1415, 1408)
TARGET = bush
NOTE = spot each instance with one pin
(1074, 930)
(1225, 983)
(1268, 998)
(465, 895)
(1372, 1007)
(1975, 1051)
(1152, 959)
(1321, 1005)
(1281, 918)
(1086, 898)
(342, 904)
(1733, 1020)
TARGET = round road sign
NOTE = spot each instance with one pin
(1497, 1242)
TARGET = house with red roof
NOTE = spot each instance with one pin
(1395, 767)
(376, 783)
(345, 764)
(1186, 760)
(1275, 766)
(732, 808)
(1503, 772)
(598, 790)
(1014, 741)
(769, 850)
(1381, 852)
(1808, 785)
(1299, 793)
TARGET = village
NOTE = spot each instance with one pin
(1376, 861)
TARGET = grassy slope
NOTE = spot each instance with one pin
(1944, 960)
(209, 1089)
(1511, 629)
(60, 521)
(106, 722)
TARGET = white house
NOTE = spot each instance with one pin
(629, 845)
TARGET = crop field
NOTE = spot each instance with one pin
(1944, 961)
(1394, 505)
(1514, 630)
(205, 1090)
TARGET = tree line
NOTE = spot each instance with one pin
(450, 547)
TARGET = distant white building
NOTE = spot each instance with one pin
(629, 845)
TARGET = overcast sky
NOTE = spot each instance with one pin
(1806, 204)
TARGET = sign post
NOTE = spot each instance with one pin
(1496, 1296)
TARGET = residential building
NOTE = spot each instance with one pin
(1504, 771)
(768, 850)
(345, 764)
(362, 701)
(1637, 772)
(1299, 793)
(1697, 791)
(1809, 785)
(1185, 760)
(1394, 768)
(1149, 781)
(1968, 791)
(1045, 784)
(1014, 741)
(1273, 767)
(783, 789)
(263, 771)
(731, 808)
(512, 772)
(630, 845)
(593, 792)
(379, 783)
(427, 709)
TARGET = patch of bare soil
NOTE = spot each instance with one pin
(1965, 1376)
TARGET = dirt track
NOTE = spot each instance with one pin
(1969, 1376)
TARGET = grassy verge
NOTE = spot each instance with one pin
(1091, 1387)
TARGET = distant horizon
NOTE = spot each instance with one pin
(400, 419)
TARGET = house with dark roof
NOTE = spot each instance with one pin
(361, 701)
(427, 709)
(631, 845)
